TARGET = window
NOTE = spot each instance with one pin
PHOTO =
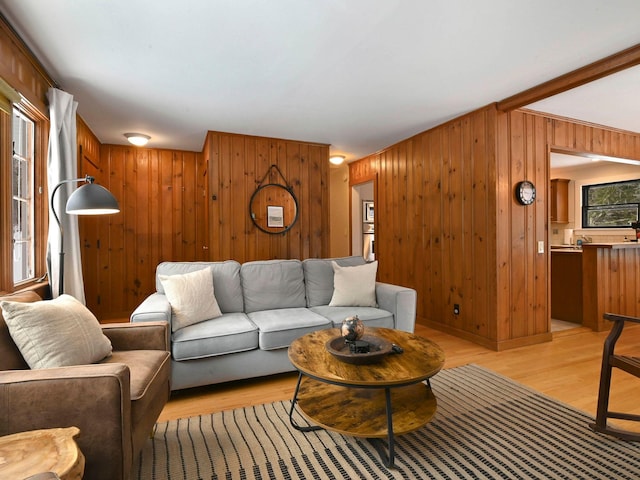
(22, 198)
(611, 205)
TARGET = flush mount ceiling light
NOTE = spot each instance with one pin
(137, 139)
(597, 158)
(337, 159)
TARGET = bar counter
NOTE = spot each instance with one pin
(611, 281)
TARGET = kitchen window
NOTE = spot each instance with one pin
(611, 205)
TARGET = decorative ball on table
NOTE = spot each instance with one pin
(354, 346)
(352, 331)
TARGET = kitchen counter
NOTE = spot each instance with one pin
(578, 248)
(566, 249)
(613, 283)
(613, 245)
(593, 279)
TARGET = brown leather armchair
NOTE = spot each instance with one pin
(115, 403)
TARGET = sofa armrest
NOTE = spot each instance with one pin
(154, 308)
(94, 398)
(138, 336)
(401, 301)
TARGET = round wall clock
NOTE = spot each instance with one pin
(525, 192)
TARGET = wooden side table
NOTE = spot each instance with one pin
(30, 453)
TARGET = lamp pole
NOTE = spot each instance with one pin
(55, 215)
(89, 199)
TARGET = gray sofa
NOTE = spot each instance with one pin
(265, 306)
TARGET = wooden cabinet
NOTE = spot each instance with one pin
(560, 200)
(566, 285)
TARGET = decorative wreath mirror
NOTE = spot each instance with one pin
(273, 207)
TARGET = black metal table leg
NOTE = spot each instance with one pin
(293, 406)
(378, 444)
(390, 435)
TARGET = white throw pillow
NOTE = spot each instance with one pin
(55, 333)
(354, 286)
(191, 297)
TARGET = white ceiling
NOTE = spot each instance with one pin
(357, 74)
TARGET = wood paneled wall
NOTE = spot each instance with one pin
(192, 206)
(237, 164)
(436, 221)
(162, 197)
(448, 224)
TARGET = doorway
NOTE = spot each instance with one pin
(363, 220)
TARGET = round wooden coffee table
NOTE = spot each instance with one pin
(373, 400)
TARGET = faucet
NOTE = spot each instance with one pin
(586, 239)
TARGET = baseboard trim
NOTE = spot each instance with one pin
(492, 344)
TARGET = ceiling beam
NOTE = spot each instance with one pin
(594, 71)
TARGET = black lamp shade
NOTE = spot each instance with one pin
(92, 199)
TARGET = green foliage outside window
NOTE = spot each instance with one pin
(611, 205)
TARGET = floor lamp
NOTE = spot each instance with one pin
(89, 199)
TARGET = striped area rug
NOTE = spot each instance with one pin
(487, 426)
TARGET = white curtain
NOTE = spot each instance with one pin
(62, 164)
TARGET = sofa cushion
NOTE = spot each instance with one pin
(371, 317)
(10, 356)
(278, 328)
(230, 333)
(149, 372)
(318, 277)
(226, 280)
(192, 297)
(272, 284)
(144, 366)
(354, 286)
(56, 333)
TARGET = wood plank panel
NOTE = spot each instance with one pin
(467, 221)
(88, 164)
(189, 210)
(519, 240)
(296, 154)
(155, 239)
(137, 277)
(435, 207)
(237, 186)
(415, 214)
(478, 229)
(542, 293)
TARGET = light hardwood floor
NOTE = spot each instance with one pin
(567, 368)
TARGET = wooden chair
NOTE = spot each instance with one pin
(610, 360)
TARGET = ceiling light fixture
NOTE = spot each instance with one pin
(137, 139)
(605, 158)
(337, 159)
